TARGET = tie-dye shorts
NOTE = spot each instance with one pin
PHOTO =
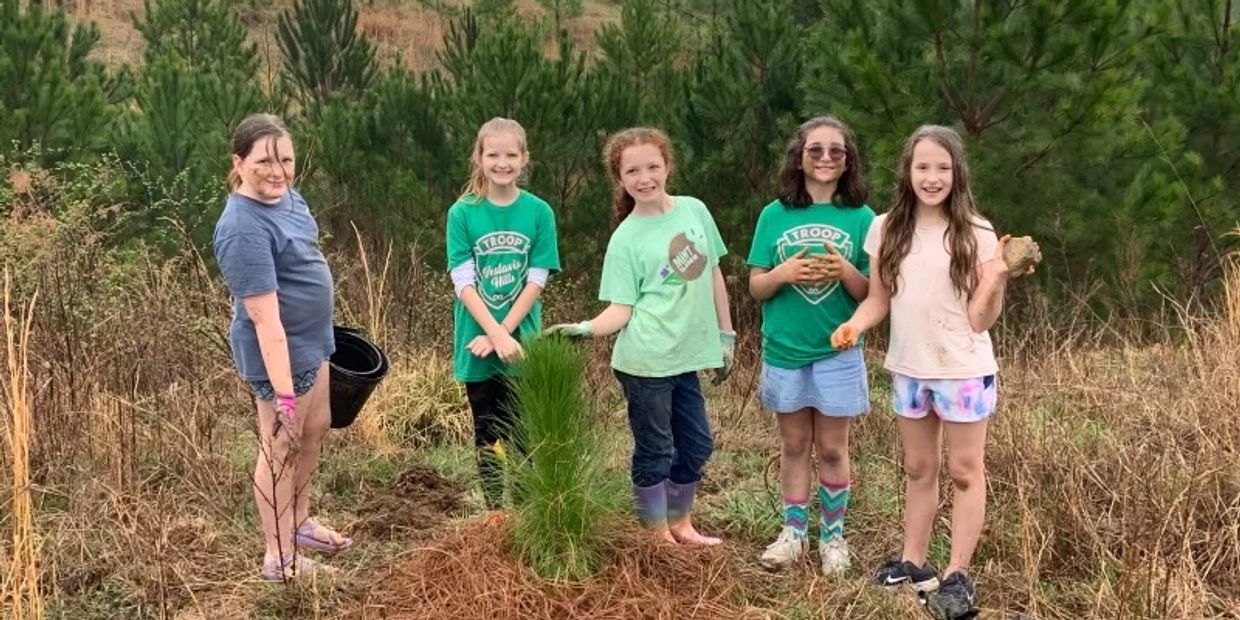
(953, 400)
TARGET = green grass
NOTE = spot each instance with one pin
(454, 461)
(564, 497)
(742, 513)
(104, 602)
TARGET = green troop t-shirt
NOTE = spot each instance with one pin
(504, 242)
(663, 267)
(798, 321)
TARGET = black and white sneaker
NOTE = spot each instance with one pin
(895, 572)
(954, 600)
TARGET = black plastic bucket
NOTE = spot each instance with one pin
(357, 366)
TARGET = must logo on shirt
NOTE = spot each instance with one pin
(813, 237)
(684, 261)
(502, 261)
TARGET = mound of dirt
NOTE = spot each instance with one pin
(417, 503)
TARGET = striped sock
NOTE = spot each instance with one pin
(833, 499)
(796, 516)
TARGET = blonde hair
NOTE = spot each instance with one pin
(478, 186)
(253, 128)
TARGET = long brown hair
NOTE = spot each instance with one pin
(478, 186)
(959, 209)
(621, 202)
(253, 128)
(852, 188)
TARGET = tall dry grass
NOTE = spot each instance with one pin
(20, 593)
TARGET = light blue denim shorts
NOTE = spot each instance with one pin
(836, 386)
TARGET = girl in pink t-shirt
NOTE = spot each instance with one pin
(941, 275)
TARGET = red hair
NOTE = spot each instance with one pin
(621, 202)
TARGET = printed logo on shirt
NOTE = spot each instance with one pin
(685, 262)
(501, 260)
(813, 237)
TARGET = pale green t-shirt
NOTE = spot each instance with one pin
(798, 320)
(504, 243)
(663, 267)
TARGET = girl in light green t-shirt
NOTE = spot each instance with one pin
(668, 302)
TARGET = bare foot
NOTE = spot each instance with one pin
(663, 536)
(685, 534)
(292, 567)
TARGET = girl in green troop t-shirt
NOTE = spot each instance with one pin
(661, 276)
(809, 270)
(501, 250)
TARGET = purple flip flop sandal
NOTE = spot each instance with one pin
(305, 538)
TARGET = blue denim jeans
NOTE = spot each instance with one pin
(671, 435)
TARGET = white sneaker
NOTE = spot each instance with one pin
(786, 549)
(834, 555)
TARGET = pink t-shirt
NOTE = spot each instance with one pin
(930, 333)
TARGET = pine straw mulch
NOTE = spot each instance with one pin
(469, 573)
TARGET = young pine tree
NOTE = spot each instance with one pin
(53, 94)
(1046, 93)
(744, 99)
(324, 55)
(565, 500)
(198, 81)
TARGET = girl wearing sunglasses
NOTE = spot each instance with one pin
(808, 268)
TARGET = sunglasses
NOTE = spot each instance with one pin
(835, 153)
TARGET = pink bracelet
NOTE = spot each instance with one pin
(289, 402)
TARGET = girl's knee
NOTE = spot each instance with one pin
(275, 452)
(796, 448)
(966, 474)
(701, 451)
(921, 468)
(832, 456)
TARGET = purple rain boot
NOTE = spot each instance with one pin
(679, 500)
(679, 505)
(651, 504)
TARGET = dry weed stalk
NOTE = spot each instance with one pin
(1231, 289)
(21, 584)
(376, 306)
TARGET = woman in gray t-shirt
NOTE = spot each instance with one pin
(266, 244)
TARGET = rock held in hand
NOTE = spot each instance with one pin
(1021, 254)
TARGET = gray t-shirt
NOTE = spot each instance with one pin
(262, 248)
